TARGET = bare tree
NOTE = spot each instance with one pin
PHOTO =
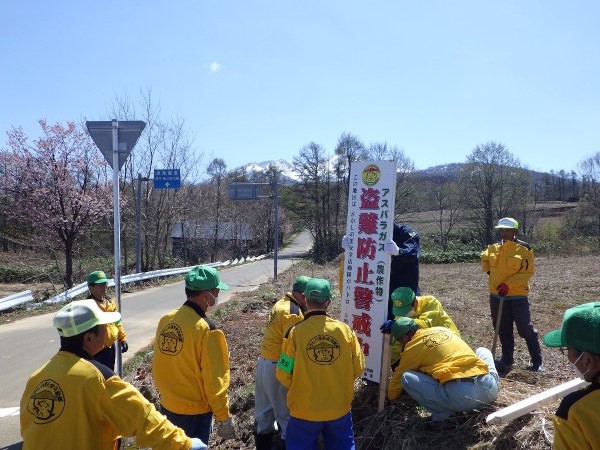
(217, 170)
(590, 171)
(494, 185)
(312, 200)
(404, 167)
(349, 149)
(445, 195)
(164, 144)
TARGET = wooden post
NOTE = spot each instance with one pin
(385, 369)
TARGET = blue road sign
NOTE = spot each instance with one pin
(167, 179)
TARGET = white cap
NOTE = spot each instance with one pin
(507, 222)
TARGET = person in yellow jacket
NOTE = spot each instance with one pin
(426, 310)
(191, 360)
(510, 265)
(74, 402)
(270, 396)
(320, 359)
(98, 285)
(578, 415)
(441, 372)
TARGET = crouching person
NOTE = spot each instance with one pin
(441, 372)
(73, 402)
(320, 359)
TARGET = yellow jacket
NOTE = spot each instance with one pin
(577, 418)
(430, 313)
(72, 403)
(113, 331)
(319, 362)
(437, 352)
(284, 315)
(191, 363)
(511, 263)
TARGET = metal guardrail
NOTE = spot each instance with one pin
(27, 296)
(16, 299)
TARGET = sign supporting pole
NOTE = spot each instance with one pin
(116, 140)
(276, 231)
(117, 231)
(385, 364)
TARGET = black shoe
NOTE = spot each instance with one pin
(502, 367)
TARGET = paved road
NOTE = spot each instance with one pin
(26, 344)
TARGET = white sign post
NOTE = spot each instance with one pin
(366, 274)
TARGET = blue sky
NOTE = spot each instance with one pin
(257, 80)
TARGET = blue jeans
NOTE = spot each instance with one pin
(303, 434)
(444, 399)
(515, 309)
(194, 425)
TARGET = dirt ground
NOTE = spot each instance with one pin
(558, 284)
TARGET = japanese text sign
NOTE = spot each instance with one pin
(366, 271)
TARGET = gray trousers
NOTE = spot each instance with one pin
(270, 399)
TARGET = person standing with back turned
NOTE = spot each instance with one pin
(74, 402)
(320, 360)
(270, 402)
(191, 360)
(509, 264)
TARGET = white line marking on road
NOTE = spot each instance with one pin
(5, 412)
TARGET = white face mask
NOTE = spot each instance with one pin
(579, 373)
(412, 313)
(209, 308)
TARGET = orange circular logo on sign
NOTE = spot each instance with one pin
(371, 175)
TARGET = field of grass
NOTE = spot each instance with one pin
(559, 283)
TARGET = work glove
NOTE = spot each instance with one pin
(502, 289)
(386, 328)
(345, 242)
(124, 346)
(225, 429)
(197, 444)
(391, 248)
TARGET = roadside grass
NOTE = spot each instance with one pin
(559, 283)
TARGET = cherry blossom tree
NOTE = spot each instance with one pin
(59, 186)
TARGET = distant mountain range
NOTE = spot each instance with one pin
(289, 176)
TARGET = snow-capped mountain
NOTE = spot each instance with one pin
(285, 168)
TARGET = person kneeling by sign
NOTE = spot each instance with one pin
(441, 372)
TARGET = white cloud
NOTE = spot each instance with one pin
(215, 67)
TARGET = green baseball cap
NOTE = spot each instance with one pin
(300, 284)
(402, 300)
(80, 316)
(97, 277)
(580, 329)
(317, 290)
(402, 326)
(204, 278)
